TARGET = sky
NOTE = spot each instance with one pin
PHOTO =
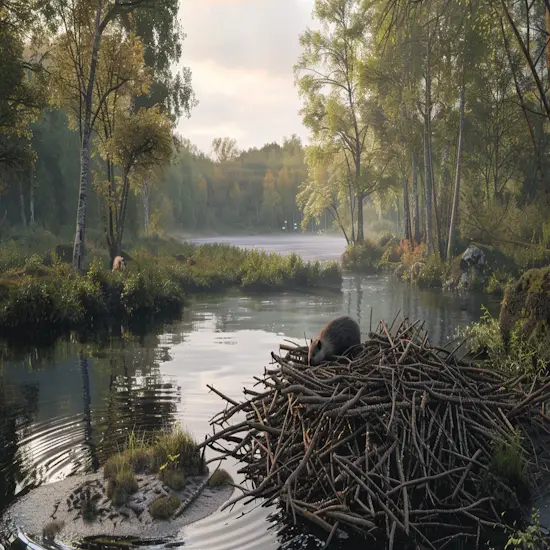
(241, 54)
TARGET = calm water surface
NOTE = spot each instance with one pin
(61, 414)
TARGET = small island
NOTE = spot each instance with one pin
(148, 490)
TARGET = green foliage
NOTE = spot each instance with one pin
(164, 507)
(175, 479)
(176, 450)
(529, 538)
(362, 258)
(34, 294)
(220, 478)
(497, 283)
(508, 460)
(432, 273)
(120, 486)
(525, 311)
(263, 271)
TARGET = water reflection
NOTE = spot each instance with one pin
(63, 409)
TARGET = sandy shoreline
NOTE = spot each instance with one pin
(51, 502)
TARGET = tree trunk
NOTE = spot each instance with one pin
(415, 205)
(427, 154)
(145, 199)
(456, 196)
(360, 231)
(352, 213)
(78, 249)
(439, 248)
(406, 209)
(22, 204)
(31, 202)
(123, 207)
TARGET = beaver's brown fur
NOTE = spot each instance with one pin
(119, 263)
(336, 338)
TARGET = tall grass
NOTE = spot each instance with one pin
(43, 292)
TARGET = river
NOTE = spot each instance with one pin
(60, 415)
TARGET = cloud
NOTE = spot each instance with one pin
(253, 106)
(246, 33)
(241, 53)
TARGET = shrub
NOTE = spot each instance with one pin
(432, 273)
(164, 507)
(121, 486)
(52, 529)
(362, 257)
(220, 478)
(175, 479)
(497, 283)
(177, 450)
(34, 295)
(409, 253)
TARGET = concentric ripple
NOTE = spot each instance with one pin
(62, 413)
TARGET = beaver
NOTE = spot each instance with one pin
(119, 263)
(337, 337)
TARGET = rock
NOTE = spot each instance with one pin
(470, 270)
(472, 257)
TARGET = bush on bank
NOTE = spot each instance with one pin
(43, 292)
(412, 264)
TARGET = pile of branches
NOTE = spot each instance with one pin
(403, 441)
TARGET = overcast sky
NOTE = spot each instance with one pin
(241, 53)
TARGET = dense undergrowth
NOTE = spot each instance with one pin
(42, 291)
(412, 264)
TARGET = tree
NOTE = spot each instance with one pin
(83, 26)
(141, 141)
(225, 149)
(327, 189)
(328, 76)
(22, 86)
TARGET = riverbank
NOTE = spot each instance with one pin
(478, 267)
(42, 292)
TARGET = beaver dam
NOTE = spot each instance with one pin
(402, 443)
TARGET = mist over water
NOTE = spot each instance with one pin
(61, 414)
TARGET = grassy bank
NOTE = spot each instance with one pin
(414, 265)
(41, 292)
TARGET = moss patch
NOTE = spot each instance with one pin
(121, 486)
(52, 529)
(164, 507)
(175, 479)
(220, 478)
(525, 309)
(172, 454)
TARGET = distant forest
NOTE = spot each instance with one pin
(227, 190)
(428, 119)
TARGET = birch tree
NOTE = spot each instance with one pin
(328, 77)
(83, 24)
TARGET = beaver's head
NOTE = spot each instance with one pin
(317, 352)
